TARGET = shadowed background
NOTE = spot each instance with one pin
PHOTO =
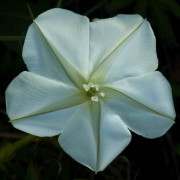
(143, 159)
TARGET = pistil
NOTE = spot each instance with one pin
(92, 91)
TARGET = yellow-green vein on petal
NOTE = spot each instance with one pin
(113, 93)
(59, 105)
(74, 75)
(95, 113)
(99, 73)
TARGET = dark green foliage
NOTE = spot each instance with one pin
(43, 159)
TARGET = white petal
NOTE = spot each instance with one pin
(95, 136)
(40, 58)
(134, 51)
(151, 90)
(78, 139)
(107, 34)
(137, 57)
(47, 124)
(114, 136)
(30, 95)
(139, 119)
(69, 33)
(144, 104)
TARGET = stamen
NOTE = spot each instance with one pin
(102, 94)
(97, 87)
(86, 87)
(92, 85)
(95, 98)
(92, 91)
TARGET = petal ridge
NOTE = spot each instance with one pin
(74, 75)
(100, 71)
(30, 87)
(112, 93)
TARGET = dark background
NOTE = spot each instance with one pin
(143, 159)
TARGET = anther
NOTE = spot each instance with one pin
(95, 98)
(102, 94)
(92, 91)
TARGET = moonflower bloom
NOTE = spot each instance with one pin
(90, 82)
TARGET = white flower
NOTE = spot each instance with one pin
(90, 82)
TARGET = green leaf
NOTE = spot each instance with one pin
(11, 38)
(11, 64)
(161, 21)
(97, 6)
(32, 172)
(3, 112)
(177, 149)
(59, 3)
(172, 6)
(15, 19)
(175, 89)
(141, 7)
(3, 169)
(115, 5)
(7, 152)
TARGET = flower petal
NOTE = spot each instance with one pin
(47, 124)
(114, 136)
(78, 138)
(134, 52)
(90, 134)
(110, 33)
(32, 97)
(69, 33)
(144, 103)
(67, 72)
(40, 59)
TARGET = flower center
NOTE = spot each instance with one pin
(92, 91)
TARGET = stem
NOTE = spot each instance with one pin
(8, 150)
(11, 38)
(24, 141)
(59, 3)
